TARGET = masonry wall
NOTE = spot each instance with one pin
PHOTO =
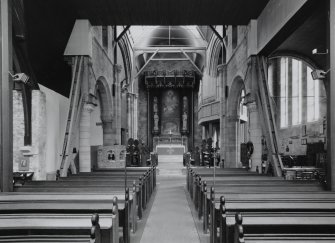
(48, 130)
(142, 112)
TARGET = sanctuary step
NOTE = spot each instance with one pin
(170, 164)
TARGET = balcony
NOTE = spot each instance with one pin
(209, 112)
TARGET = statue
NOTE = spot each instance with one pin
(156, 119)
(156, 116)
(184, 121)
(184, 116)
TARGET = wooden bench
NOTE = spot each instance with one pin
(45, 204)
(84, 194)
(54, 228)
(279, 228)
(258, 198)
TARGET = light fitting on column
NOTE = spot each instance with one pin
(20, 77)
(319, 74)
(318, 52)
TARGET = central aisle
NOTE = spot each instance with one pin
(170, 219)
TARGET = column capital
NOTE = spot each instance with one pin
(106, 118)
(117, 68)
(252, 106)
(249, 98)
(221, 67)
(132, 95)
(233, 118)
(90, 62)
(88, 107)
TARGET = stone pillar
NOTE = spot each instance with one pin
(210, 130)
(331, 101)
(107, 127)
(255, 135)
(129, 115)
(203, 132)
(84, 141)
(231, 134)
(117, 118)
(6, 98)
(39, 131)
(222, 70)
(135, 117)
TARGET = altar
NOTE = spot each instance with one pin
(170, 149)
(170, 110)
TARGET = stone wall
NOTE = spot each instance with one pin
(35, 155)
(18, 128)
(142, 113)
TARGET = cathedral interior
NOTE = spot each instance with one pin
(167, 121)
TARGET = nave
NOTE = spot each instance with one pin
(176, 121)
(193, 204)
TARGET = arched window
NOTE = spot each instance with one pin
(294, 91)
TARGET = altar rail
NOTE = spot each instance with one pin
(173, 139)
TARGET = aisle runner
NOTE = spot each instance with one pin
(170, 219)
(170, 165)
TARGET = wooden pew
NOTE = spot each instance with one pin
(280, 228)
(71, 204)
(131, 207)
(56, 228)
(74, 195)
(255, 196)
(143, 185)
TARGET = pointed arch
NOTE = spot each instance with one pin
(234, 97)
(102, 92)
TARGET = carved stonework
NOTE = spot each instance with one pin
(155, 116)
(235, 118)
(88, 107)
(221, 67)
(113, 156)
(252, 107)
(169, 79)
(106, 118)
(184, 128)
(118, 68)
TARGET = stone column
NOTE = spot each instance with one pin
(129, 110)
(39, 131)
(135, 102)
(210, 130)
(331, 101)
(84, 141)
(6, 98)
(117, 117)
(255, 135)
(222, 69)
(107, 127)
(231, 134)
